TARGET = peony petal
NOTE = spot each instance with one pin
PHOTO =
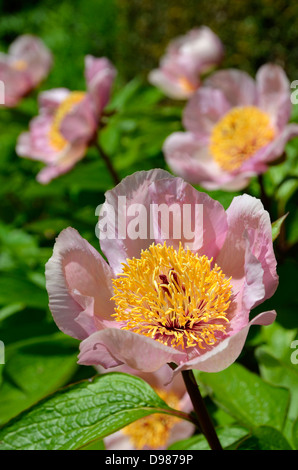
(112, 347)
(237, 86)
(197, 221)
(100, 75)
(189, 158)
(227, 351)
(132, 192)
(80, 124)
(274, 96)
(75, 273)
(49, 100)
(204, 109)
(248, 249)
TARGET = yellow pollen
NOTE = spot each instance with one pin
(19, 65)
(187, 85)
(239, 135)
(173, 296)
(153, 431)
(57, 140)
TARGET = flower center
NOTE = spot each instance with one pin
(239, 135)
(174, 297)
(57, 140)
(19, 64)
(187, 85)
(153, 431)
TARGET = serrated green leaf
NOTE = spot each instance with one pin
(250, 400)
(82, 413)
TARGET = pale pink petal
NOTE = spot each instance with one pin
(196, 220)
(175, 86)
(248, 250)
(204, 109)
(79, 124)
(35, 144)
(227, 351)
(112, 347)
(274, 95)
(50, 100)
(16, 84)
(117, 216)
(100, 75)
(275, 150)
(35, 54)
(75, 273)
(237, 86)
(190, 158)
(63, 162)
(198, 50)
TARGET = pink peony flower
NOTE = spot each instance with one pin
(156, 431)
(68, 121)
(27, 63)
(186, 59)
(165, 297)
(235, 127)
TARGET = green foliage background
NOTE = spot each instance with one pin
(133, 35)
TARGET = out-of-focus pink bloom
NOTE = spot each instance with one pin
(186, 59)
(235, 127)
(156, 431)
(168, 296)
(68, 121)
(26, 64)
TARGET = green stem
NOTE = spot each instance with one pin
(108, 163)
(200, 409)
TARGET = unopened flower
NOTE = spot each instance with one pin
(26, 64)
(155, 300)
(68, 121)
(186, 59)
(156, 431)
(235, 127)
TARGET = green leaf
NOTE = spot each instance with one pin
(250, 400)
(82, 413)
(228, 436)
(295, 434)
(276, 226)
(265, 438)
(34, 370)
(275, 362)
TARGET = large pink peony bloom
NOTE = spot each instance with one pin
(166, 297)
(156, 431)
(68, 121)
(186, 59)
(235, 127)
(27, 63)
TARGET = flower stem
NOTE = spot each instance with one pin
(204, 419)
(108, 163)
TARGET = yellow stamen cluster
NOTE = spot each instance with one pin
(239, 135)
(153, 431)
(173, 296)
(56, 138)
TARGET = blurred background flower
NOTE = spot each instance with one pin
(26, 64)
(235, 128)
(186, 59)
(68, 121)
